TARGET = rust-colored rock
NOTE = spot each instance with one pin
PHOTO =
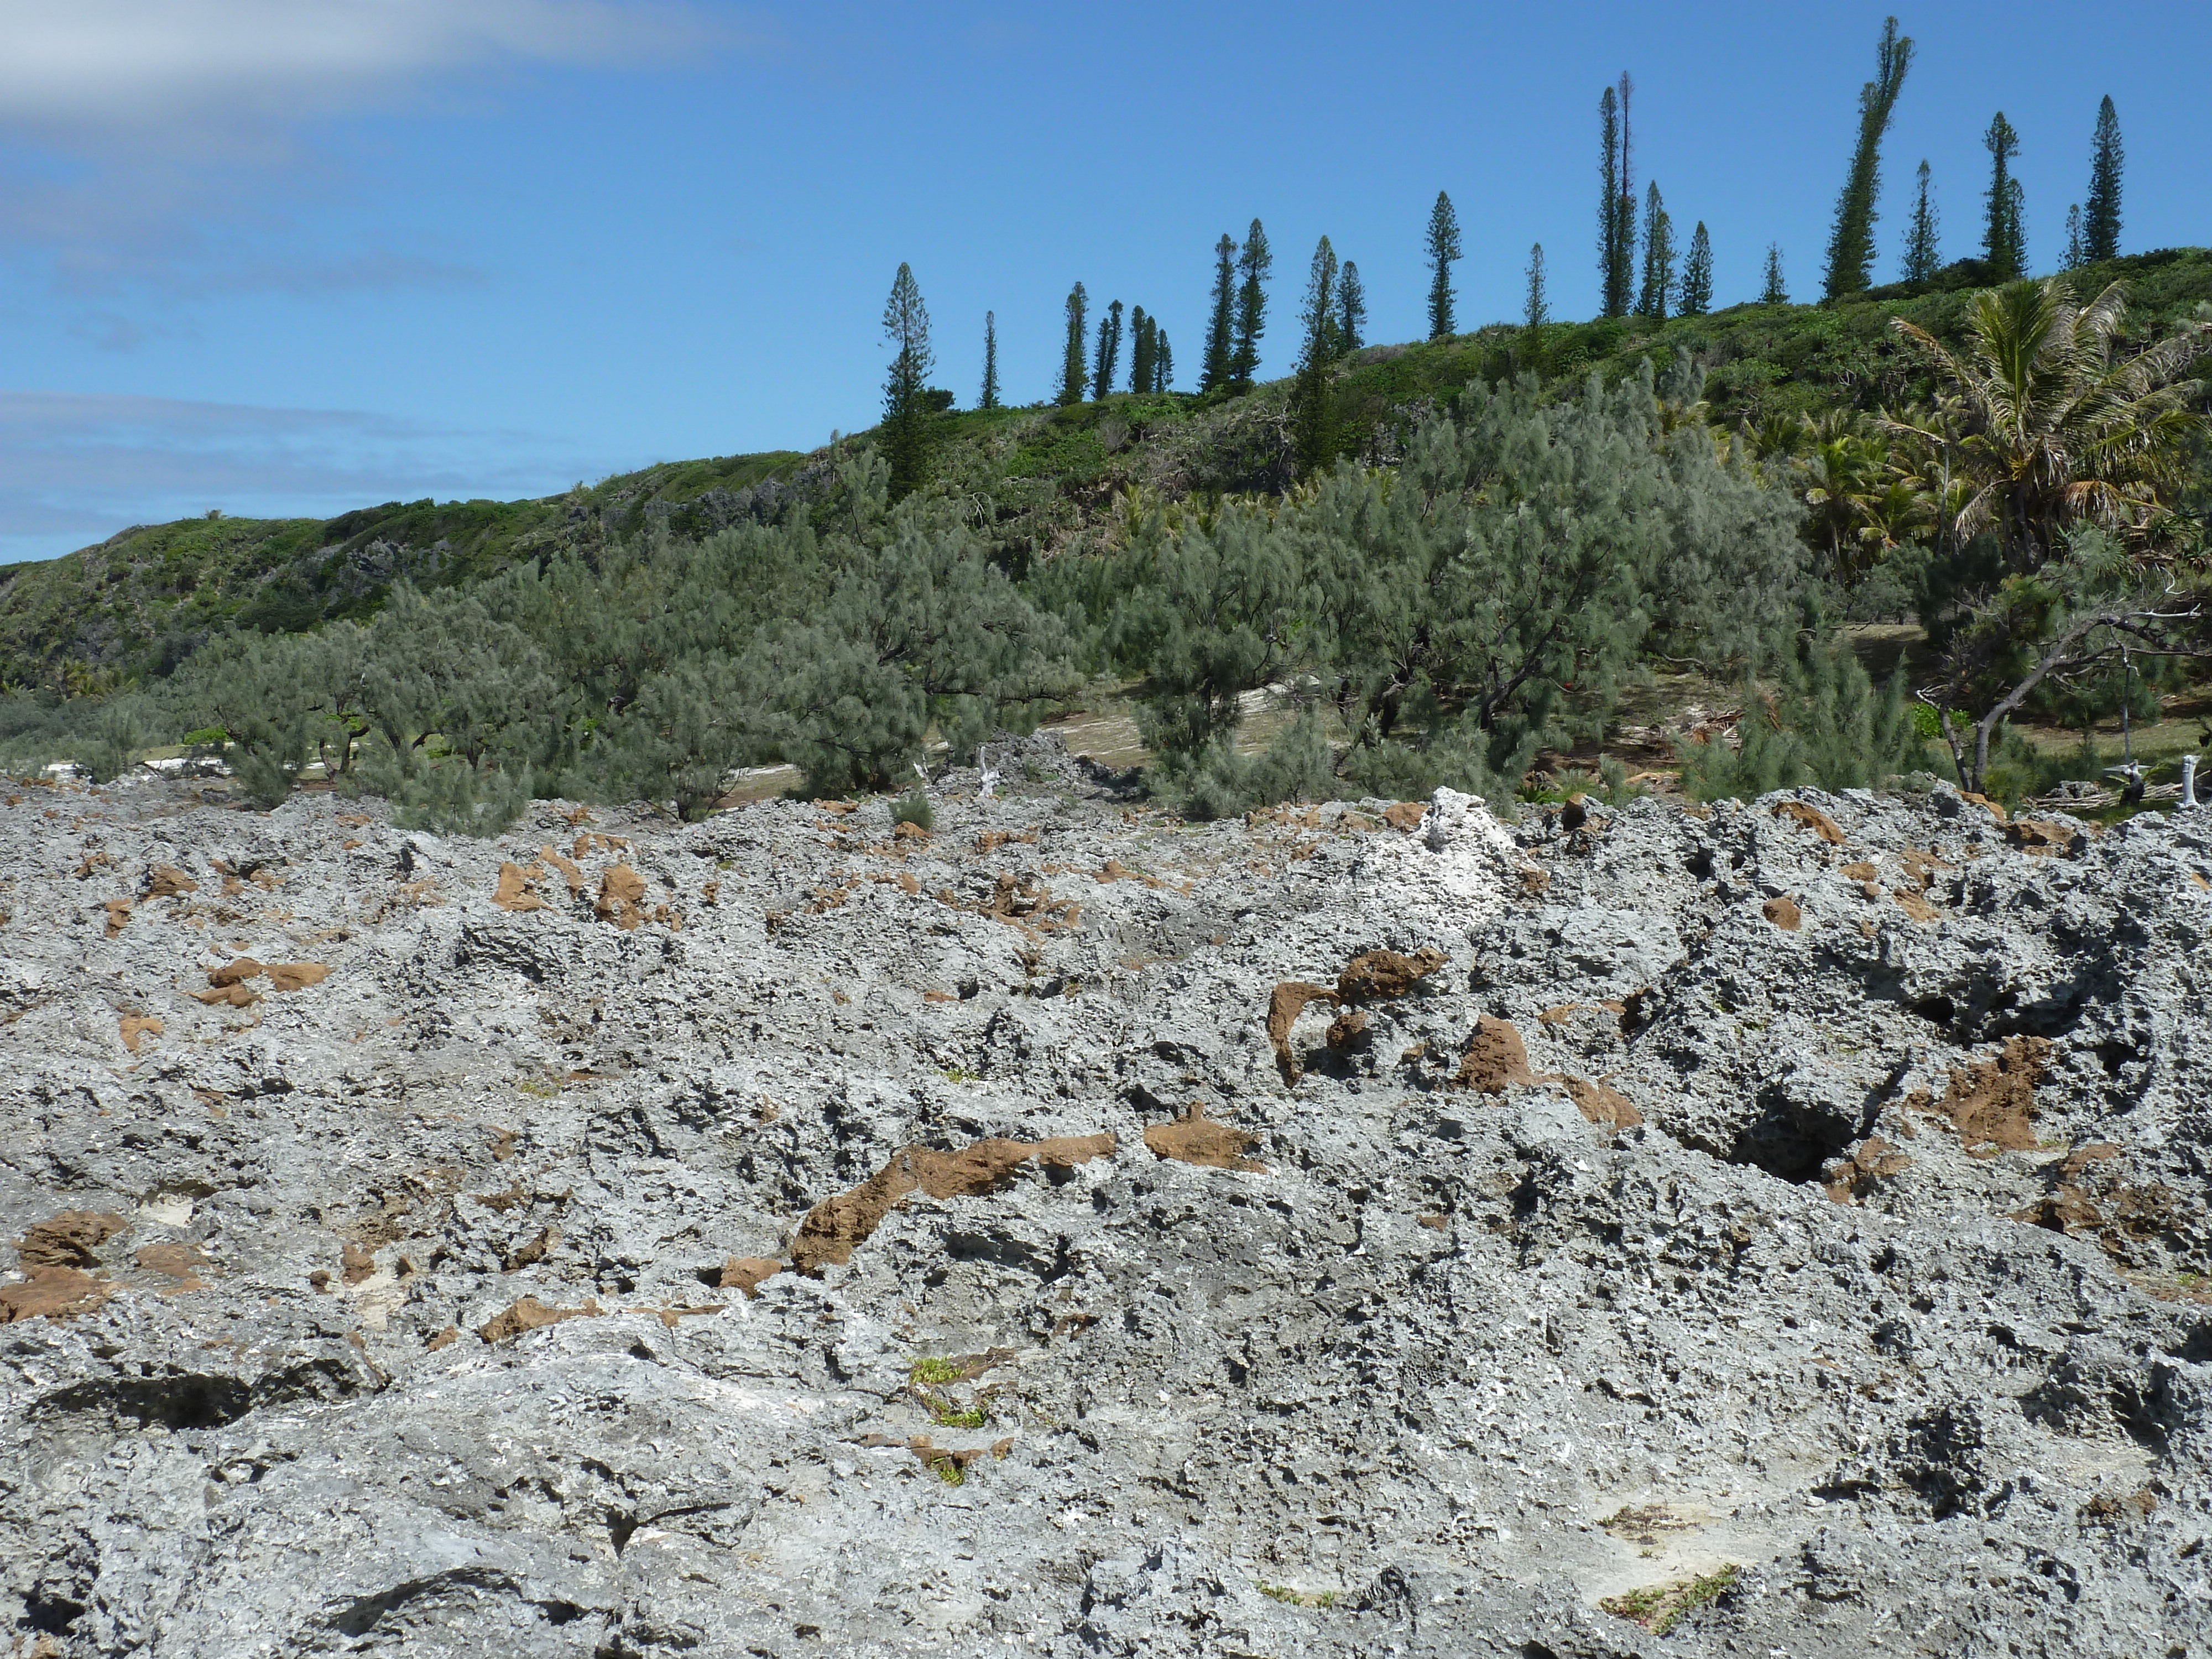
(1284, 1006)
(532, 1315)
(1862, 871)
(166, 881)
(1598, 1103)
(2043, 838)
(119, 913)
(238, 968)
(69, 1239)
(524, 1256)
(235, 996)
(134, 1029)
(1195, 1138)
(513, 892)
(179, 1262)
(445, 1338)
(296, 975)
(1379, 974)
(835, 1225)
(1850, 1178)
(1813, 818)
(1915, 907)
(1996, 808)
(747, 1274)
(1406, 816)
(1348, 1030)
(1991, 1103)
(906, 830)
(53, 1293)
(359, 1263)
(1494, 1058)
(1783, 912)
(622, 895)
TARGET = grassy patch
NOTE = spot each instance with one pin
(1659, 1607)
(934, 1370)
(1299, 1598)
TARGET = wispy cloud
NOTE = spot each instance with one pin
(114, 64)
(74, 468)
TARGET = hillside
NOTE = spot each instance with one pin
(1031, 481)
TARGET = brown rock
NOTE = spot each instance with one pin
(1991, 1103)
(1862, 871)
(69, 1239)
(166, 881)
(747, 1274)
(1599, 1104)
(1195, 1138)
(2043, 838)
(532, 1315)
(236, 996)
(1813, 818)
(1850, 1178)
(240, 968)
(621, 900)
(1784, 912)
(1348, 1029)
(53, 1293)
(835, 1225)
(1378, 973)
(118, 911)
(296, 975)
(547, 1240)
(1576, 813)
(1406, 815)
(179, 1262)
(445, 1338)
(1287, 1001)
(359, 1263)
(1495, 1057)
(515, 892)
(1996, 808)
(136, 1028)
(903, 830)
(1916, 907)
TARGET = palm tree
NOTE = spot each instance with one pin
(2057, 428)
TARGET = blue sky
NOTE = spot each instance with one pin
(294, 256)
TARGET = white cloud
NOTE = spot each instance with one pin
(110, 64)
(74, 468)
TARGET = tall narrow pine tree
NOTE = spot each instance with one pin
(1110, 350)
(2076, 254)
(1922, 256)
(1658, 292)
(1850, 245)
(990, 398)
(2100, 218)
(1608, 200)
(1253, 264)
(1163, 361)
(1774, 293)
(1444, 248)
(2004, 239)
(1351, 309)
(1220, 331)
(1535, 309)
(1698, 274)
(1141, 350)
(1072, 373)
(906, 413)
(1313, 439)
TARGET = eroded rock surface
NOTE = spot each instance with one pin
(786, 1236)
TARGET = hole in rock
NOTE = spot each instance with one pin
(50, 1614)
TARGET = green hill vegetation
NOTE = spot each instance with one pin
(1450, 561)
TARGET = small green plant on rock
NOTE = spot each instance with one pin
(1299, 1598)
(930, 1369)
(1658, 1608)
(915, 809)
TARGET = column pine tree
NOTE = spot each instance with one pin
(2101, 219)
(1774, 293)
(1072, 376)
(1141, 350)
(1221, 327)
(1698, 274)
(1351, 309)
(1253, 264)
(1923, 257)
(990, 398)
(1444, 248)
(1620, 224)
(1535, 309)
(1608, 198)
(1658, 291)
(1851, 245)
(2004, 238)
(905, 415)
(1109, 351)
(1163, 361)
(1313, 438)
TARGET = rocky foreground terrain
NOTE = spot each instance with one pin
(1776, 1230)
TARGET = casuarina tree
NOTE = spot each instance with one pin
(1254, 264)
(1220, 331)
(1444, 248)
(990, 398)
(906, 413)
(1698, 274)
(1073, 375)
(2004, 238)
(2101, 221)
(1922, 256)
(1851, 245)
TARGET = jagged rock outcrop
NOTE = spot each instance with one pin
(783, 1236)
